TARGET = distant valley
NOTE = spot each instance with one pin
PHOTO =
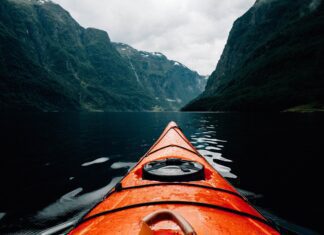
(171, 83)
(50, 63)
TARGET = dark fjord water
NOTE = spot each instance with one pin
(54, 166)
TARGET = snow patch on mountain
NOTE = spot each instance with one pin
(157, 54)
(40, 1)
(144, 54)
(170, 100)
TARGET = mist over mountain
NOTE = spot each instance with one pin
(50, 63)
(273, 60)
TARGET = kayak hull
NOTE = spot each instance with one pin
(210, 206)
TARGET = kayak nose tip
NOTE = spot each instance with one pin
(172, 124)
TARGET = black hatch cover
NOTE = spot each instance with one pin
(173, 169)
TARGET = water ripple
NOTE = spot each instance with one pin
(2, 214)
(96, 161)
(214, 155)
(72, 202)
(119, 165)
(211, 147)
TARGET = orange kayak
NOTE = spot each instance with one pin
(173, 190)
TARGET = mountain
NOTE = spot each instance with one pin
(273, 60)
(48, 62)
(171, 83)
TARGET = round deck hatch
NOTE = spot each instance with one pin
(173, 169)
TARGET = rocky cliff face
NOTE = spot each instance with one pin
(48, 62)
(171, 83)
(273, 60)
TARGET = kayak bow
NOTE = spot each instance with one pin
(173, 190)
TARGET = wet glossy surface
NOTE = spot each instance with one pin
(55, 166)
(208, 221)
(173, 144)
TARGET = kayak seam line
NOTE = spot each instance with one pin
(181, 184)
(173, 145)
(190, 203)
(145, 155)
(159, 139)
(182, 136)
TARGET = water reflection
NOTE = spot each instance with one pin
(2, 215)
(96, 161)
(71, 205)
(66, 168)
(73, 202)
(208, 145)
(119, 165)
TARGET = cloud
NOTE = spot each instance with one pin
(192, 32)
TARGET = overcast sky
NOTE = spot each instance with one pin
(192, 32)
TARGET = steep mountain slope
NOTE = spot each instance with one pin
(170, 82)
(48, 62)
(273, 60)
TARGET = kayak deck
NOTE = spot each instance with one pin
(209, 206)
